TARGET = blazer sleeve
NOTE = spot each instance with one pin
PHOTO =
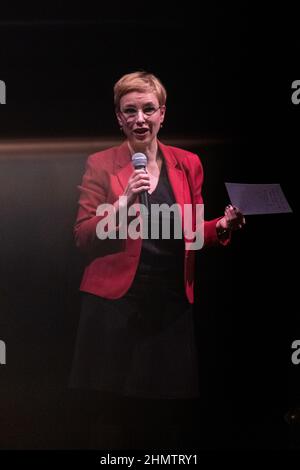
(93, 192)
(210, 231)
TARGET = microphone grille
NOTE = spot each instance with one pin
(139, 160)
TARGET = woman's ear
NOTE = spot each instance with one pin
(162, 113)
(119, 118)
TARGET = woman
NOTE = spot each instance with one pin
(136, 332)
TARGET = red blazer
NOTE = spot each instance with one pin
(112, 264)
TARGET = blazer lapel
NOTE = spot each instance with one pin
(181, 190)
(123, 165)
(175, 174)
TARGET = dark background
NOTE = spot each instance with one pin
(228, 72)
(61, 62)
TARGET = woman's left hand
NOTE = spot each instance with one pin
(233, 219)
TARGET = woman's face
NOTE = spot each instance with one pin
(141, 117)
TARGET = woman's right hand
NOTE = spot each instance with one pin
(139, 181)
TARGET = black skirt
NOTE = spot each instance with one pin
(141, 345)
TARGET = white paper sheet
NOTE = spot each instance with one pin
(258, 198)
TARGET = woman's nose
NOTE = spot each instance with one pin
(140, 116)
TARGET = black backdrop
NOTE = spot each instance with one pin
(228, 72)
(60, 64)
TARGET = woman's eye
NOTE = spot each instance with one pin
(130, 111)
(149, 110)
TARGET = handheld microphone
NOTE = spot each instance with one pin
(139, 161)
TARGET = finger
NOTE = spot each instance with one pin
(142, 188)
(228, 221)
(138, 180)
(144, 176)
(230, 211)
(238, 213)
(236, 217)
(141, 174)
(235, 211)
(142, 182)
(137, 173)
(227, 212)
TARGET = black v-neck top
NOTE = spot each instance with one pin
(163, 255)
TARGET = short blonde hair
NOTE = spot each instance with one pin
(141, 82)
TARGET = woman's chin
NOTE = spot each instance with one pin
(141, 141)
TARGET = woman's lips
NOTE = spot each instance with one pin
(141, 129)
(140, 132)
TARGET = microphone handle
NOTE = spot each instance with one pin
(144, 199)
(144, 194)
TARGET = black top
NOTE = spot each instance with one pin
(164, 254)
